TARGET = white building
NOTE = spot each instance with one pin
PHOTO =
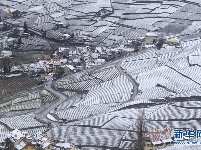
(61, 49)
(64, 61)
(76, 60)
(15, 135)
(21, 143)
(5, 53)
(16, 68)
(20, 31)
(72, 52)
(1, 24)
(37, 66)
(70, 67)
(99, 61)
(95, 55)
(64, 145)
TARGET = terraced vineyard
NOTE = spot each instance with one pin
(100, 108)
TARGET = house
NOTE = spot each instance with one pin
(21, 143)
(11, 41)
(25, 67)
(173, 41)
(65, 36)
(37, 67)
(95, 55)
(5, 53)
(148, 144)
(66, 146)
(103, 55)
(99, 61)
(63, 145)
(61, 49)
(72, 52)
(99, 49)
(63, 61)
(20, 31)
(18, 138)
(80, 38)
(56, 62)
(30, 146)
(43, 141)
(89, 63)
(15, 135)
(76, 60)
(151, 38)
(16, 69)
(1, 25)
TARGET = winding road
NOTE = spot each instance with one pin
(41, 115)
(135, 84)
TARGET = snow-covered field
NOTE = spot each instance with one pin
(104, 104)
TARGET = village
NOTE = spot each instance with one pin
(66, 60)
(100, 75)
(23, 141)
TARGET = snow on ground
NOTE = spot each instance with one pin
(49, 116)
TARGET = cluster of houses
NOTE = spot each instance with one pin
(66, 60)
(88, 57)
(153, 38)
(70, 60)
(73, 59)
(9, 12)
(23, 141)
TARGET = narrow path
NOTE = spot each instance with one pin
(135, 84)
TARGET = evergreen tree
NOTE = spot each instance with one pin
(6, 65)
(136, 44)
(160, 43)
(25, 27)
(5, 26)
(19, 40)
(44, 33)
(72, 36)
(8, 144)
(25, 24)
